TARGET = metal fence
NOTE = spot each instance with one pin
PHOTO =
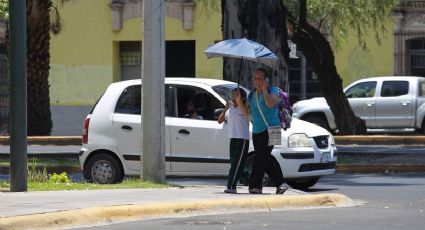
(409, 53)
(4, 92)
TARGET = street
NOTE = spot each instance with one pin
(393, 201)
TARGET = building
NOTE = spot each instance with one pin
(100, 43)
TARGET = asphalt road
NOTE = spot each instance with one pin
(389, 202)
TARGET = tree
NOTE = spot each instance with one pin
(266, 22)
(261, 21)
(38, 60)
(39, 25)
(340, 15)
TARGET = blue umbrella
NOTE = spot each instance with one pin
(243, 49)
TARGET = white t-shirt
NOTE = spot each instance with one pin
(237, 123)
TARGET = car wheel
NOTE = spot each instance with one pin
(103, 169)
(317, 121)
(303, 183)
(267, 182)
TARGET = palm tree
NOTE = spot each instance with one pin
(38, 59)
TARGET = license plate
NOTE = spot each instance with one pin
(326, 157)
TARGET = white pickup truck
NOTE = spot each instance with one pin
(387, 104)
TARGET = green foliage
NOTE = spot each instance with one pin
(345, 16)
(4, 9)
(59, 178)
(209, 6)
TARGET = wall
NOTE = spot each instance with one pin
(85, 56)
(353, 62)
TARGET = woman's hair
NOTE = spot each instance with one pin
(264, 71)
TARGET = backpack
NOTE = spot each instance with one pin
(284, 107)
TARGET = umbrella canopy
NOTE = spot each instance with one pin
(243, 49)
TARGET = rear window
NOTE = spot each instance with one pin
(130, 101)
(394, 88)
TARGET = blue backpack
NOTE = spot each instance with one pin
(284, 107)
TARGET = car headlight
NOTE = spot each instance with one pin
(299, 140)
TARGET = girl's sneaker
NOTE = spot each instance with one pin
(230, 190)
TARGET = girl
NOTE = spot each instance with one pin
(235, 115)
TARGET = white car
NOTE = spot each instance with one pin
(112, 133)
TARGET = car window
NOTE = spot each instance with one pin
(422, 89)
(196, 103)
(170, 97)
(129, 101)
(361, 90)
(394, 88)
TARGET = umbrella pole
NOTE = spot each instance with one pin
(240, 72)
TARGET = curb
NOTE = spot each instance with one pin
(108, 214)
(380, 140)
(393, 168)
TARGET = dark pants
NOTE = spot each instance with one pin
(263, 162)
(238, 153)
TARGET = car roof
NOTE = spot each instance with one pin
(179, 80)
(384, 78)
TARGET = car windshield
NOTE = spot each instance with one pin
(225, 91)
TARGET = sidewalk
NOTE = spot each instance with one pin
(72, 208)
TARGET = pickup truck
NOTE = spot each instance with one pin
(387, 104)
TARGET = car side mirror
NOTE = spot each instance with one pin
(217, 112)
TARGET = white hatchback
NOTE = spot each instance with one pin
(112, 133)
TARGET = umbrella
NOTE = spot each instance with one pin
(243, 49)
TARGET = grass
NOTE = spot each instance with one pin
(130, 183)
(46, 162)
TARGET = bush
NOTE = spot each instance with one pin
(59, 178)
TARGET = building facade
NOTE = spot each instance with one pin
(101, 41)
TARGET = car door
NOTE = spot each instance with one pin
(198, 145)
(361, 97)
(126, 123)
(395, 107)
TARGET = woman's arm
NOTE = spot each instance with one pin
(270, 99)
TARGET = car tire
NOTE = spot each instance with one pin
(267, 182)
(303, 183)
(103, 169)
(317, 121)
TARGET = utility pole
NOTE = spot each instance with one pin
(153, 88)
(18, 98)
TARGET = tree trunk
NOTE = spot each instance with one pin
(261, 21)
(38, 59)
(319, 53)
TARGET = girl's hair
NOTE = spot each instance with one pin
(242, 92)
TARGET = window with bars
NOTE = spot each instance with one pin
(416, 56)
(131, 53)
